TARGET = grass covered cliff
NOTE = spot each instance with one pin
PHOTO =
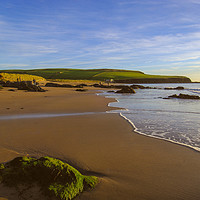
(54, 177)
(13, 77)
(122, 76)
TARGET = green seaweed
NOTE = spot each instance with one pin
(54, 177)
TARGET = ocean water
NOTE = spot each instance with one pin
(175, 120)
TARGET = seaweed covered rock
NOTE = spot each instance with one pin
(126, 89)
(54, 177)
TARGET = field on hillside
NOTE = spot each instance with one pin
(95, 74)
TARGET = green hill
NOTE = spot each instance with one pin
(100, 75)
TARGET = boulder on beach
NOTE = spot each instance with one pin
(54, 178)
(126, 89)
(184, 96)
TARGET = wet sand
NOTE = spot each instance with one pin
(130, 166)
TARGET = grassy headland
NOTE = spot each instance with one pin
(100, 75)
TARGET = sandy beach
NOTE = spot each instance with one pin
(130, 166)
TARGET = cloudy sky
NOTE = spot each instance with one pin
(154, 36)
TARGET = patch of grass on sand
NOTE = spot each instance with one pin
(21, 77)
(54, 177)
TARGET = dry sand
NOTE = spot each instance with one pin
(130, 166)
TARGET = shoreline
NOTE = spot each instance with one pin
(130, 166)
(135, 129)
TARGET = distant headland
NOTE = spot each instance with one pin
(113, 75)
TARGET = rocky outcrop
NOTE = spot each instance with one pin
(23, 85)
(27, 85)
(126, 89)
(184, 96)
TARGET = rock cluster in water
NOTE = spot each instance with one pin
(126, 89)
(176, 88)
(183, 96)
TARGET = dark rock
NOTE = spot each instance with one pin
(52, 85)
(12, 90)
(184, 96)
(102, 86)
(126, 89)
(23, 85)
(137, 86)
(63, 85)
(109, 86)
(58, 85)
(141, 87)
(96, 85)
(81, 90)
(110, 91)
(177, 88)
(83, 85)
(27, 85)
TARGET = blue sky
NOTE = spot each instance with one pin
(154, 36)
